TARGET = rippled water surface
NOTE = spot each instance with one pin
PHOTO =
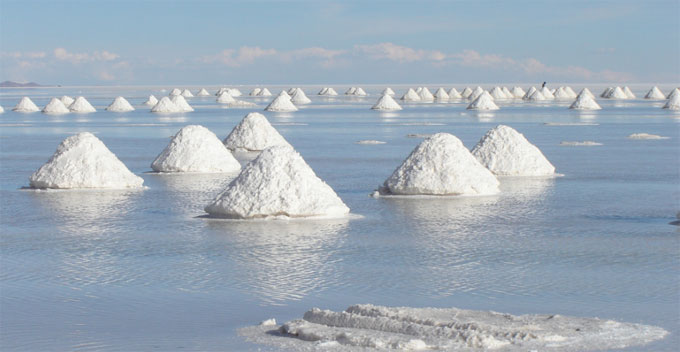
(142, 270)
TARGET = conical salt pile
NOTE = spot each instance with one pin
(187, 94)
(606, 92)
(234, 92)
(67, 100)
(507, 92)
(81, 105)
(497, 93)
(151, 101)
(655, 93)
(673, 92)
(476, 93)
(453, 94)
(562, 94)
(585, 101)
(351, 91)
(466, 92)
(2, 109)
(570, 91)
(203, 93)
(254, 133)
(120, 105)
(277, 183)
(419, 89)
(255, 92)
(165, 105)
(426, 95)
(388, 91)
(483, 102)
(195, 149)
(328, 91)
(529, 93)
(55, 107)
(616, 93)
(441, 165)
(25, 105)
(281, 103)
(322, 91)
(506, 152)
(83, 161)
(410, 95)
(225, 98)
(220, 91)
(360, 92)
(547, 93)
(441, 94)
(673, 103)
(181, 103)
(536, 96)
(386, 103)
(586, 91)
(264, 93)
(628, 92)
(175, 91)
(299, 97)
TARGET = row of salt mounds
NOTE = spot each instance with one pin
(165, 105)
(327, 91)
(366, 326)
(83, 161)
(195, 149)
(388, 91)
(617, 93)
(254, 133)
(356, 91)
(386, 103)
(655, 94)
(203, 93)
(585, 101)
(410, 95)
(278, 183)
(26, 105)
(440, 165)
(483, 102)
(81, 105)
(151, 101)
(673, 103)
(120, 104)
(506, 152)
(55, 107)
(564, 93)
(299, 97)
(260, 92)
(67, 100)
(281, 103)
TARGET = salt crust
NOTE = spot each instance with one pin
(55, 107)
(25, 105)
(483, 102)
(506, 152)
(277, 184)
(254, 133)
(195, 149)
(281, 103)
(120, 104)
(81, 105)
(386, 103)
(440, 165)
(83, 161)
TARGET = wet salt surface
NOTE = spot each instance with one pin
(138, 270)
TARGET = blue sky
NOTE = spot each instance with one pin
(316, 42)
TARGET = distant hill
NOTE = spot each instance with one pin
(21, 85)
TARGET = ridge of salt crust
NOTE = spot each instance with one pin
(506, 152)
(440, 165)
(83, 161)
(386, 103)
(25, 105)
(277, 183)
(165, 105)
(55, 107)
(81, 105)
(254, 133)
(483, 102)
(195, 148)
(120, 104)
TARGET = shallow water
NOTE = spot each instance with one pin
(141, 270)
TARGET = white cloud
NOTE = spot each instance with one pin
(398, 53)
(233, 58)
(76, 58)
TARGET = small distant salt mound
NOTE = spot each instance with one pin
(25, 105)
(454, 94)
(441, 94)
(351, 91)
(580, 144)
(507, 92)
(466, 92)
(441, 165)
(673, 93)
(152, 101)
(536, 96)
(476, 93)
(55, 107)
(410, 95)
(529, 93)
(203, 93)
(181, 103)
(370, 141)
(2, 109)
(655, 93)
(254, 133)
(165, 105)
(586, 91)
(268, 322)
(225, 98)
(278, 183)
(506, 152)
(119, 104)
(518, 92)
(388, 91)
(386, 103)
(241, 104)
(628, 92)
(425, 94)
(67, 100)
(483, 102)
(646, 136)
(562, 94)
(265, 93)
(299, 97)
(360, 92)
(327, 91)
(83, 161)
(187, 94)
(81, 105)
(322, 91)
(547, 93)
(195, 149)
(255, 92)
(616, 93)
(281, 103)
(673, 103)
(234, 92)
(497, 93)
(175, 91)
(585, 101)
(570, 91)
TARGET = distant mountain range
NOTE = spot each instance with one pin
(21, 85)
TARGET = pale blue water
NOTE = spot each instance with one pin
(140, 270)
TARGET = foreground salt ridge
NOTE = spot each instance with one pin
(367, 326)
(254, 133)
(277, 184)
(83, 161)
(195, 148)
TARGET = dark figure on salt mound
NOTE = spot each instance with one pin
(543, 86)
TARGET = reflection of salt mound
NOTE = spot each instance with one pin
(425, 94)
(120, 104)
(466, 92)
(441, 94)
(410, 95)
(165, 105)
(55, 107)
(646, 136)
(453, 94)
(506, 152)
(580, 144)
(299, 97)
(81, 105)
(254, 133)
(264, 93)
(151, 101)
(585, 101)
(83, 161)
(388, 91)
(66, 100)
(181, 103)
(547, 93)
(440, 165)
(281, 103)
(366, 326)
(386, 103)
(483, 102)
(25, 105)
(655, 93)
(673, 103)
(175, 91)
(277, 183)
(255, 92)
(187, 94)
(629, 94)
(195, 149)
(203, 93)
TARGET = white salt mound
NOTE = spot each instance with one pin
(570, 91)
(388, 91)
(299, 97)
(165, 105)
(425, 95)
(278, 183)
(562, 94)
(673, 103)
(441, 165)
(506, 152)
(25, 105)
(454, 94)
(360, 92)
(265, 93)
(628, 92)
(580, 144)
(674, 92)
(203, 93)
(187, 94)
(586, 91)
(386, 103)
(369, 327)
(327, 91)
(55, 107)
(466, 92)
(441, 94)
(255, 92)
(225, 98)
(585, 101)
(67, 100)
(83, 161)
(507, 92)
(547, 93)
(606, 92)
(152, 101)
(220, 91)
(518, 92)
(529, 93)
(81, 105)
(655, 93)
(497, 93)
(476, 93)
(175, 91)
(181, 103)
(351, 91)
(195, 149)
(646, 136)
(120, 104)
(616, 93)
(281, 103)
(483, 102)
(322, 91)
(254, 133)
(410, 95)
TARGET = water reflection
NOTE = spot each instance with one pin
(189, 193)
